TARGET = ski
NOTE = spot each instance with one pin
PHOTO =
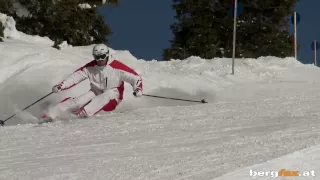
(45, 120)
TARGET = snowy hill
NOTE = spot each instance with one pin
(254, 119)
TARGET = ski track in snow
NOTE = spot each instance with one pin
(197, 142)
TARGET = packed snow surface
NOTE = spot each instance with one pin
(263, 118)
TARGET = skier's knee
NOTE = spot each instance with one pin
(72, 103)
(110, 106)
(111, 94)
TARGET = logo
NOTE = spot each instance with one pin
(281, 173)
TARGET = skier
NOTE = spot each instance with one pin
(106, 76)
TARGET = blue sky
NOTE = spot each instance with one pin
(308, 29)
(143, 27)
(140, 26)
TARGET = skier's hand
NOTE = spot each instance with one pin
(137, 92)
(56, 88)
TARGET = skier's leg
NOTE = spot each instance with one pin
(106, 101)
(71, 104)
(46, 116)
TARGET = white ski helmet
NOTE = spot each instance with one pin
(100, 52)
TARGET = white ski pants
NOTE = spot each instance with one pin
(87, 104)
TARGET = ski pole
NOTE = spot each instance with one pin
(3, 121)
(202, 101)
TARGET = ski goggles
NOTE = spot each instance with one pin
(101, 57)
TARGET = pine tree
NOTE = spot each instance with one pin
(64, 21)
(6, 6)
(263, 30)
(193, 32)
(102, 2)
(205, 28)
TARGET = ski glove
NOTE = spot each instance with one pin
(56, 88)
(137, 92)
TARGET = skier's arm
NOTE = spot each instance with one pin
(128, 75)
(75, 78)
(132, 78)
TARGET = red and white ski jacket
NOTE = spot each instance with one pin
(112, 76)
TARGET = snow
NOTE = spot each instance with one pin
(263, 118)
(11, 32)
(20, 9)
(64, 45)
(9, 25)
(305, 161)
(85, 6)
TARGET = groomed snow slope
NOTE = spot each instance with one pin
(269, 109)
